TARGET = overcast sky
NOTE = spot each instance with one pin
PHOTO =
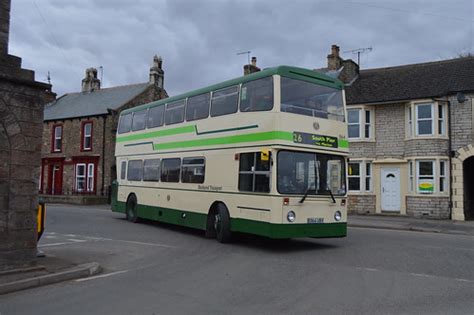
(199, 40)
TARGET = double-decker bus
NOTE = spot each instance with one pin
(264, 154)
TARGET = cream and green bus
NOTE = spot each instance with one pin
(264, 154)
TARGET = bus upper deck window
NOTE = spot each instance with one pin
(139, 120)
(125, 124)
(155, 116)
(257, 95)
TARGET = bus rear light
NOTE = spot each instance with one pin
(286, 201)
(343, 202)
(236, 157)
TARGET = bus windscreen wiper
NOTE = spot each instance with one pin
(305, 195)
(332, 196)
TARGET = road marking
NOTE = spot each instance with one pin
(57, 244)
(367, 269)
(102, 276)
(76, 240)
(463, 280)
(423, 275)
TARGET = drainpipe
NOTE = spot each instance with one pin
(103, 152)
(450, 158)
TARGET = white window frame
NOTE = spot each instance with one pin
(56, 138)
(410, 176)
(431, 118)
(85, 135)
(362, 123)
(90, 177)
(441, 120)
(433, 176)
(443, 178)
(410, 121)
(77, 177)
(365, 172)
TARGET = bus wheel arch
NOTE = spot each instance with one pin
(131, 211)
(218, 222)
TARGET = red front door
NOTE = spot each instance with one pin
(55, 186)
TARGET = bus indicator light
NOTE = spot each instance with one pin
(236, 157)
(343, 202)
(286, 201)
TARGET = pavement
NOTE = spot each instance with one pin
(54, 269)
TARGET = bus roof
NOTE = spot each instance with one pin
(286, 71)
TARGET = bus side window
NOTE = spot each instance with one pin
(123, 169)
(225, 101)
(170, 169)
(254, 173)
(193, 170)
(125, 123)
(155, 116)
(174, 112)
(151, 170)
(135, 170)
(257, 95)
(197, 107)
(139, 120)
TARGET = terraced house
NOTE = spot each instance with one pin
(411, 138)
(78, 163)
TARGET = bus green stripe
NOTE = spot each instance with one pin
(253, 137)
(159, 133)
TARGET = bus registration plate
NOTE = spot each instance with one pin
(315, 220)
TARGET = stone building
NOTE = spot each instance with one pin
(21, 116)
(411, 138)
(78, 163)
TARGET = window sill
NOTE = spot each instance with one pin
(361, 140)
(427, 138)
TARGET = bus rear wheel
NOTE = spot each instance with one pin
(131, 210)
(222, 224)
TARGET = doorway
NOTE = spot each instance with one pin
(468, 179)
(390, 187)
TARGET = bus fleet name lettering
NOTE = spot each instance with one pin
(210, 187)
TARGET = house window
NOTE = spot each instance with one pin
(359, 124)
(354, 176)
(86, 136)
(360, 176)
(368, 176)
(84, 177)
(425, 177)
(442, 176)
(80, 177)
(57, 138)
(424, 119)
(441, 128)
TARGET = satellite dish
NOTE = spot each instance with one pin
(461, 97)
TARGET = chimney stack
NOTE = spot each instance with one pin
(334, 60)
(251, 68)
(157, 75)
(90, 83)
(4, 25)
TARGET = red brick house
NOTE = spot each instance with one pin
(78, 163)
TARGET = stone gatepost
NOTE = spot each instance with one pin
(21, 125)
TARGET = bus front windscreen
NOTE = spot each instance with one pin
(305, 98)
(312, 173)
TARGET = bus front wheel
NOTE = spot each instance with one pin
(222, 224)
(131, 212)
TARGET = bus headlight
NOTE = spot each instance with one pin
(291, 216)
(337, 216)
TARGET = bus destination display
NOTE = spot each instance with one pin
(319, 140)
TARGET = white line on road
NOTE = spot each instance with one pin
(57, 244)
(76, 240)
(367, 269)
(102, 276)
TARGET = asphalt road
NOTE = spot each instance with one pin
(152, 268)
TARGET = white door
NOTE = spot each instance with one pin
(390, 189)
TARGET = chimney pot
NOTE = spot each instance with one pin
(254, 61)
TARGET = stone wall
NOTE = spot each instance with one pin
(21, 115)
(462, 122)
(390, 131)
(361, 204)
(428, 207)
(4, 26)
